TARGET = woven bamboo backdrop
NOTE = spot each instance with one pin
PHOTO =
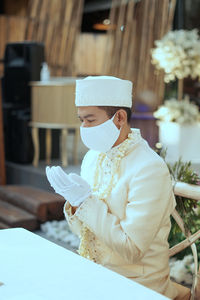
(53, 22)
(123, 52)
(135, 26)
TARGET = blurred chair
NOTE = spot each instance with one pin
(189, 191)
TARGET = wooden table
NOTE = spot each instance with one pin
(33, 268)
(64, 132)
(53, 107)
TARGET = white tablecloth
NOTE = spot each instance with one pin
(33, 268)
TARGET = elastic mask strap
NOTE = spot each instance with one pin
(113, 122)
(113, 117)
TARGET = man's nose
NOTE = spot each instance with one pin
(85, 124)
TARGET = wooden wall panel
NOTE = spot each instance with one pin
(135, 27)
(3, 39)
(16, 28)
(2, 154)
(55, 23)
(123, 52)
(90, 53)
(13, 7)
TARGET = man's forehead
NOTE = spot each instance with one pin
(88, 110)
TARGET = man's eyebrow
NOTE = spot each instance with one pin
(87, 116)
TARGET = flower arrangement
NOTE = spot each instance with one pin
(181, 270)
(178, 54)
(182, 265)
(178, 111)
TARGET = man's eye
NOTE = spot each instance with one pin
(90, 121)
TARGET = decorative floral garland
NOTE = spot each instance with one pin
(119, 152)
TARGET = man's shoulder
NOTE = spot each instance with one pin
(144, 156)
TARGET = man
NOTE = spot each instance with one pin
(120, 206)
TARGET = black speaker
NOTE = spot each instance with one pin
(17, 133)
(22, 64)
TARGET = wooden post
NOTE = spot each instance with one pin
(180, 89)
(48, 146)
(36, 145)
(76, 141)
(2, 154)
(64, 158)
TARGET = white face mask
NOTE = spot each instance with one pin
(101, 137)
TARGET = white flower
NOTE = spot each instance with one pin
(59, 230)
(178, 111)
(180, 270)
(178, 54)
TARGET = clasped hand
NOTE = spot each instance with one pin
(71, 186)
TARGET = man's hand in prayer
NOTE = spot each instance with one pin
(72, 187)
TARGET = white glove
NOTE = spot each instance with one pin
(72, 187)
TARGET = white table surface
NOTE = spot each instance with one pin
(33, 268)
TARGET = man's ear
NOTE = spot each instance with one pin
(120, 118)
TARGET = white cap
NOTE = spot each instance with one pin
(103, 91)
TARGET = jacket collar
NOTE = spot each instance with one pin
(125, 147)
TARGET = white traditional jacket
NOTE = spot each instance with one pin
(130, 228)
